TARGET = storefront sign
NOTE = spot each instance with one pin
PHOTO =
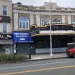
(4, 19)
(22, 37)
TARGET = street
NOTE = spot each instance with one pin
(65, 66)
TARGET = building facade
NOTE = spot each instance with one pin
(30, 27)
(37, 21)
(6, 41)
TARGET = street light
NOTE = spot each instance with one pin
(51, 53)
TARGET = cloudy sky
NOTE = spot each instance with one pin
(62, 3)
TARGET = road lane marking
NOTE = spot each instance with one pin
(39, 70)
(33, 65)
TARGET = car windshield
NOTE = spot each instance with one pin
(70, 46)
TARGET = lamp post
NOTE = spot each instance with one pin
(51, 53)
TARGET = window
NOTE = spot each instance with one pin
(56, 21)
(73, 21)
(23, 23)
(44, 21)
(4, 27)
(4, 10)
(55, 27)
(42, 42)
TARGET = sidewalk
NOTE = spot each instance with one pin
(47, 56)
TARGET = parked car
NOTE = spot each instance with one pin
(70, 51)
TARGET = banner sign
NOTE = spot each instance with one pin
(22, 37)
(4, 19)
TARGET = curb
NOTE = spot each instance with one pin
(46, 59)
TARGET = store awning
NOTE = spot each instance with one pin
(60, 32)
(56, 32)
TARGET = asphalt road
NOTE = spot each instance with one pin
(45, 67)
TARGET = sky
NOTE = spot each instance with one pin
(62, 3)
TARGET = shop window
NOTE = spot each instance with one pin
(42, 43)
(55, 27)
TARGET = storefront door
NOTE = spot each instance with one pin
(7, 50)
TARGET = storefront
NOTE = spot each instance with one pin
(60, 38)
(59, 43)
(6, 43)
(23, 41)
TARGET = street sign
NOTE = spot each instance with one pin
(22, 37)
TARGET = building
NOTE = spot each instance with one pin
(6, 28)
(30, 27)
(37, 19)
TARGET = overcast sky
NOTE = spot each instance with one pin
(62, 3)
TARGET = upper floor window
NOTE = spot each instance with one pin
(73, 21)
(44, 21)
(4, 10)
(4, 27)
(56, 21)
(23, 23)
